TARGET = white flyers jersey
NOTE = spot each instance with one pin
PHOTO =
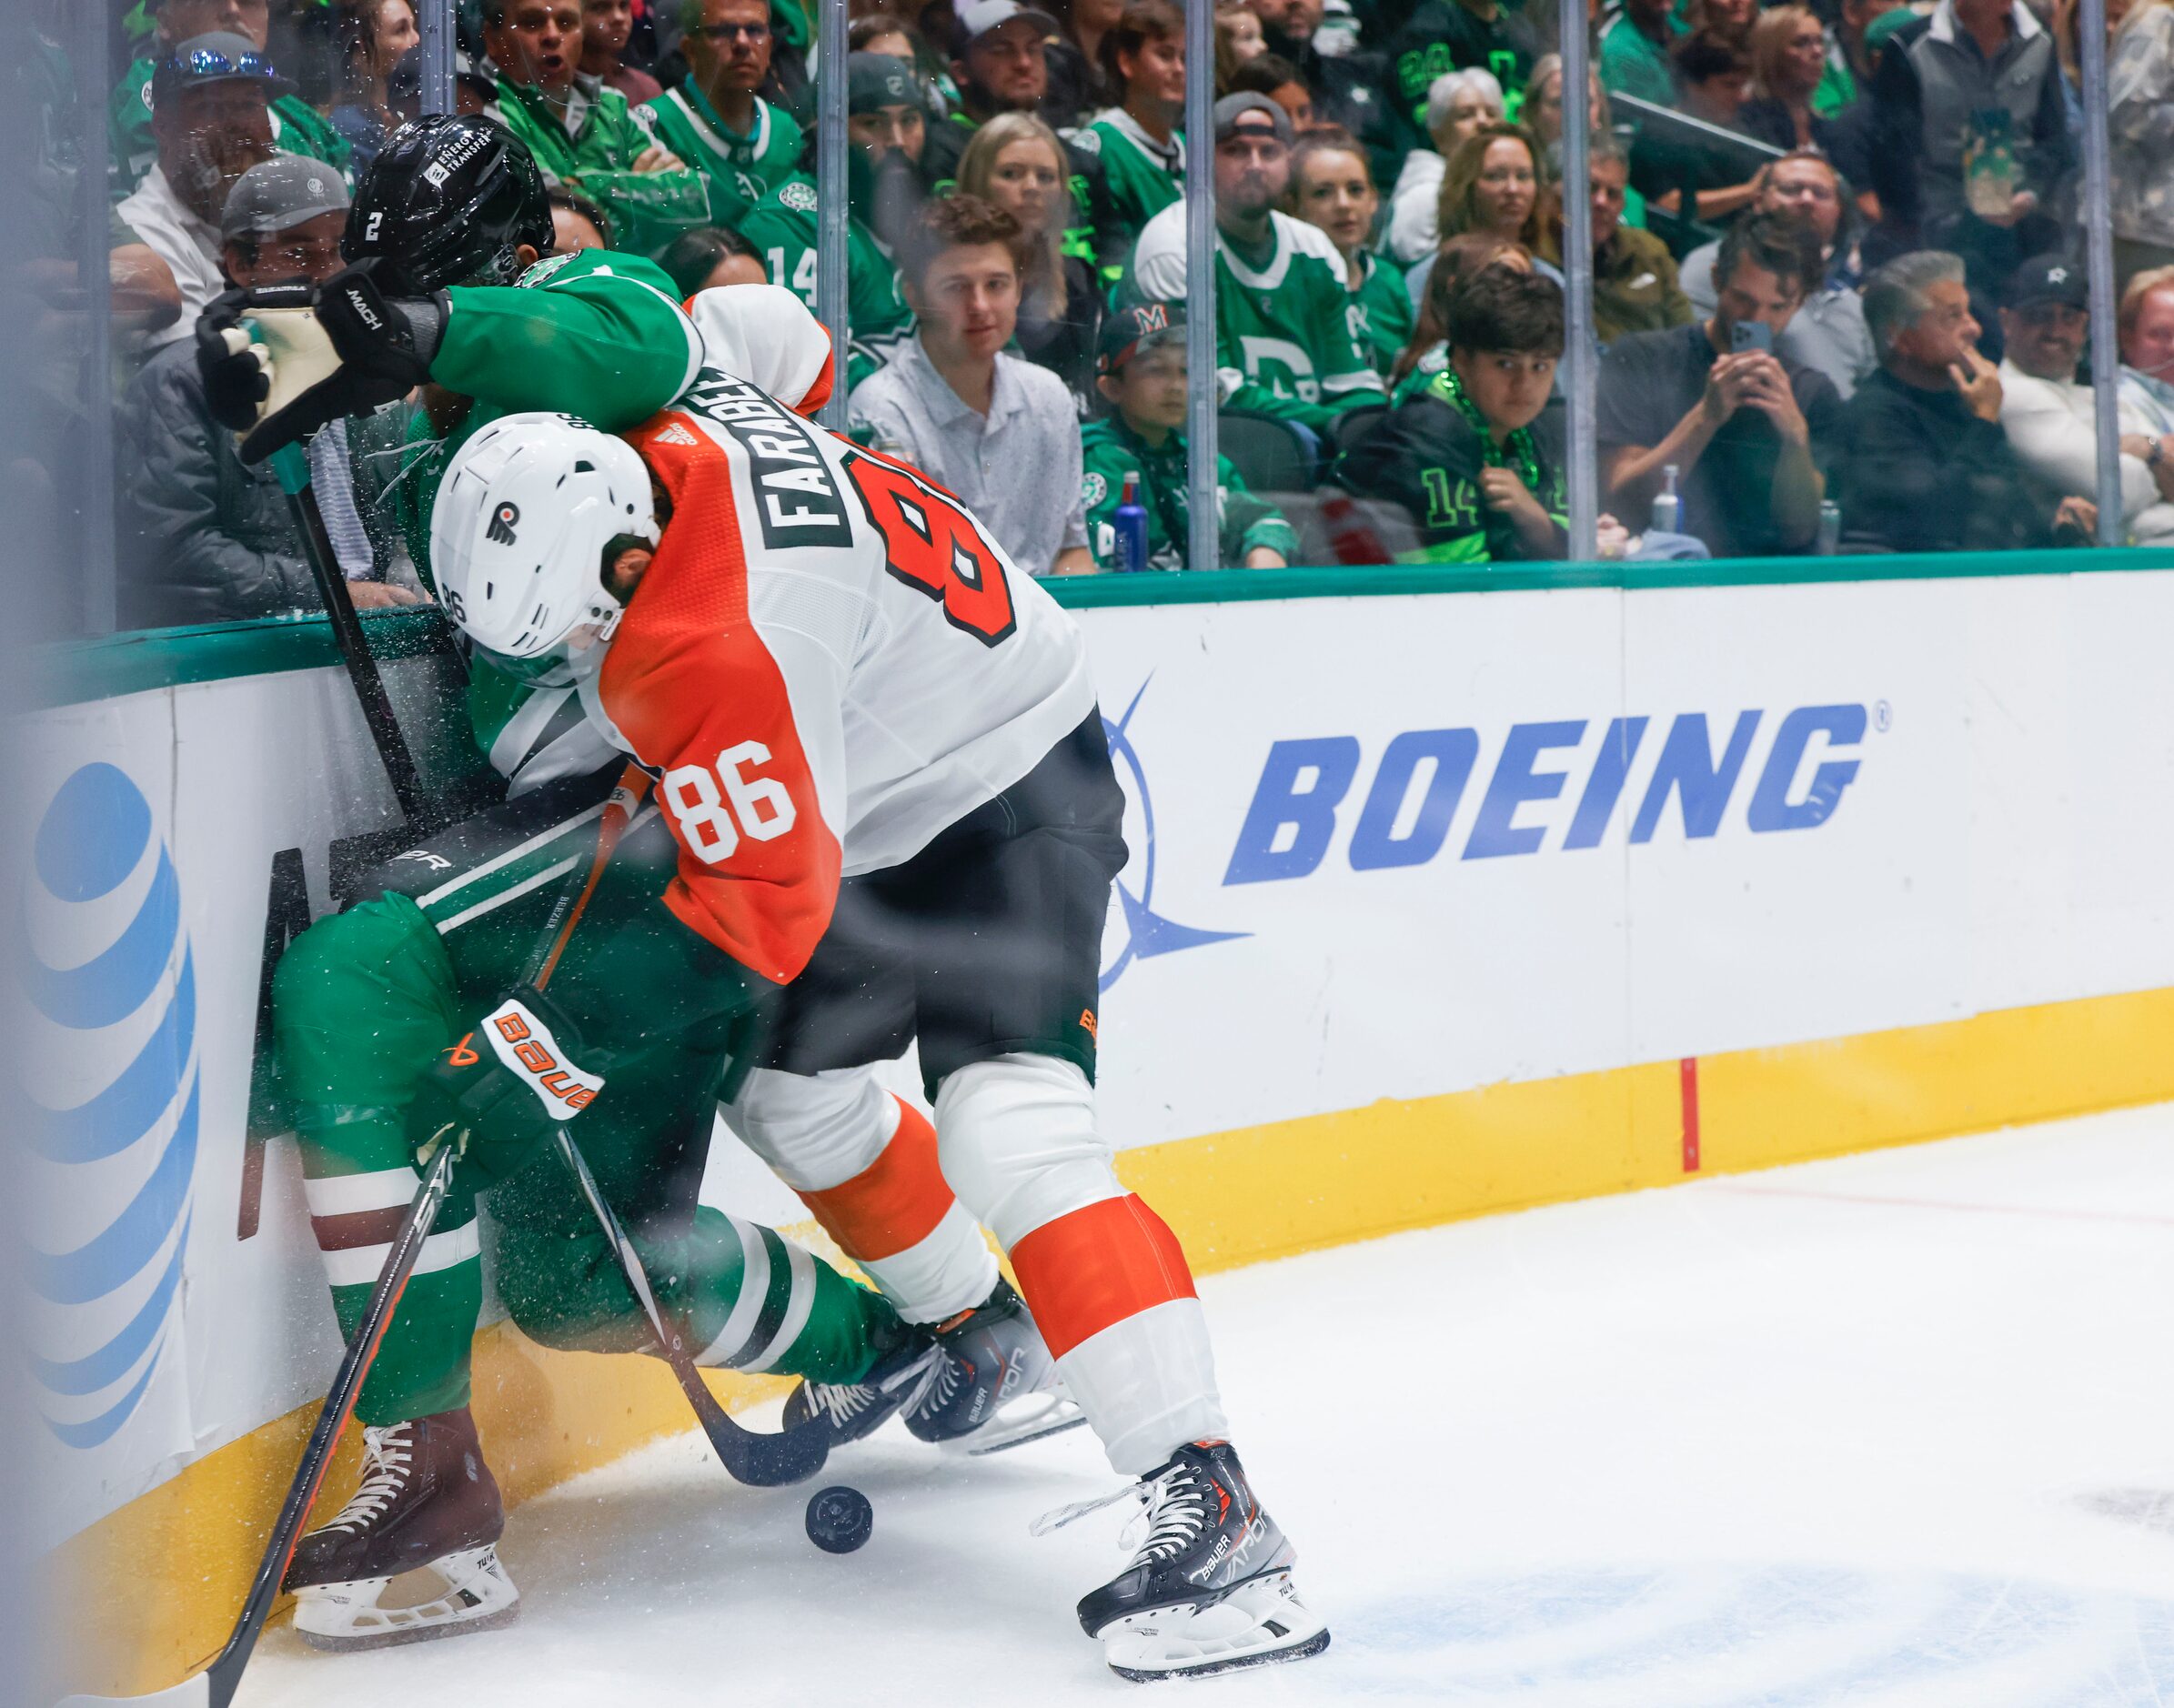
(829, 662)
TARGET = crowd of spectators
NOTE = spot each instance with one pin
(1838, 283)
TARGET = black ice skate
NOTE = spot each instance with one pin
(851, 1410)
(429, 1499)
(996, 1385)
(1210, 1588)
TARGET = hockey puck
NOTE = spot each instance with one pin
(840, 1518)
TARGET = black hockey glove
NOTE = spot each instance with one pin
(498, 1090)
(341, 349)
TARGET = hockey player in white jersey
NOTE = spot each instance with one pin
(878, 744)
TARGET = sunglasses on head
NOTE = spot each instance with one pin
(208, 62)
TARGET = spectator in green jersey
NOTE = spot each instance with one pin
(1141, 148)
(1283, 339)
(714, 120)
(1141, 373)
(1016, 162)
(1633, 52)
(583, 134)
(1331, 186)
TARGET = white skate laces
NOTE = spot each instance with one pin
(842, 1401)
(1173, 1508)
(387, 1452)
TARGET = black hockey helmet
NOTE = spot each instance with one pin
(447, 201)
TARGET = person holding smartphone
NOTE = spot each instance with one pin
(1746, 428)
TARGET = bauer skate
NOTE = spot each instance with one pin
(426, 1500)
(996, 1385)
(1210, 1589)
(852, 1409)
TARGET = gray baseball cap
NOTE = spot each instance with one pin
(1231, 116)
(280, 194)
(976, 18)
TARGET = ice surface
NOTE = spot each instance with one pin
(1892, 1430)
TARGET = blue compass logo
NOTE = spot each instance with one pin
(1136, 931)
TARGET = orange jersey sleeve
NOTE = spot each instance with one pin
(704, 702)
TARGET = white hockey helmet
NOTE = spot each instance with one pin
(521, 524)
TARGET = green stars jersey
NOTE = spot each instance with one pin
(1109, 450)
(1142, 176)
(592, 147)
(740, 169)
(297, 128)
(1425, 456)
(1283, 327)
(1381, 313)
(782, 229)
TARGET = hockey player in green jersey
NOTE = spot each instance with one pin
(1283, 339)
(715, 121)
(889, 131)
(1143, 152)
(297, 128)
(1477, 458)
(583, 134)
(1141, 373)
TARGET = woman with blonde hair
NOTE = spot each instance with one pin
(1016, 162)
(1788, 59)
(371, 36)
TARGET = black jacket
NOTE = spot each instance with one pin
(1919, 472)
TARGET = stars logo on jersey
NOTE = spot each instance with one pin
(1093, 489)
(800, 197)
(544, 270)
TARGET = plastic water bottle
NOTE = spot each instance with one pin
(1668, 504)
(1830, 527)
(1131, 523)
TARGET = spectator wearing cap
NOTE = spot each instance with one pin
(1000, 67)
(1332, 187)
(1827, 331)
(2050, 419)
(887, 127)
(606, 26)
(715, 120)
(1284, 341)
(211, 115)
(297, 128)
(371, 38)
(582, 134)
(1140, 369)
(1954, 91)
(208, 537)
(1746, 428)
(1924, 464)
(1457, 104)
(1000, 432)
(1477, 458)
(1634, 283)
(1353, 90)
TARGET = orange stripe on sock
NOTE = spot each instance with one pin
(892, 1204)
(1097, 1266)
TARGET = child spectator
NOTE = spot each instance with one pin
(606, 26)
(1237, 39)
(1427, 353)
(1141, 148)
(1141, 373)
(1284, 339)
(714, 120)
(706, 259)
(1016, 162)
(1000, 433)
(1477, 458)
(371, 38)
(1332, 187)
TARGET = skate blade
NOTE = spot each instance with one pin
(1029, 1422)
(1259, 1624)
(343, 1618)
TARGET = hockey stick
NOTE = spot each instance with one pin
(213, 1687)
(291, 464)
(759, 1460)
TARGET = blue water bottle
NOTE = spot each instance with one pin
(1130, 524)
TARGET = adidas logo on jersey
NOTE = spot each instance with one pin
(675, 435)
